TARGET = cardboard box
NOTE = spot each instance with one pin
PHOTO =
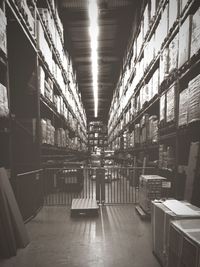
(194, 99)
(173, 12)
(170, 105)
(162, 107)
(3, 35)
(150, 188)
(195, 39)
(4, 110)
(173, 54)
(183, 107)
(41, 80)
(184, 43)
(184, 247)
(164, 66)
(163, 214)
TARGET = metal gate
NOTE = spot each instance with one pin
(108, 185)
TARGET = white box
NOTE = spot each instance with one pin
(195, 39)
(184, 42)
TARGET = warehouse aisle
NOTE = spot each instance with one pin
(117, 238)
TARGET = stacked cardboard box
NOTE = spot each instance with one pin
(194, 99)
(153, 9)
(170, 105)
(150, 188)
(163, 213)
(153, 129)
(166, 157)
(146, 19)
(183, 107)
(44, 46)
(173, 12)
(184, 243)
(164, 67)
(4, 110)
(48, 90)
(137, 133)
(3, 36)
(184, 44)
(162, 108)
(195, 39)
(41, 80)
(173, 54)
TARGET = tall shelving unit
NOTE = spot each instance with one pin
(145, 114)
(45, 121)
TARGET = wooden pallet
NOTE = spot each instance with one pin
(84, 206)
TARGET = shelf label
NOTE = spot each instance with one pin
(166, 184)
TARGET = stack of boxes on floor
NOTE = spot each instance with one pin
(175, 233)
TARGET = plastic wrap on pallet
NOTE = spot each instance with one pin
(195, 39)
(194, 100)
(41, 80)
(44, 131)
(164, 60)
(162, 108)
(43, 45)
(183, 107)
(156, 83)
(4, 110)
(173, 54)
(161, 30)
(173, 12)
(140, 40)
(3, 36)
(137, 133)
(153, 129)
(170, 105)
(184, 44)
(146, 19)
(48, 92)
(153, 9)
(150, 88)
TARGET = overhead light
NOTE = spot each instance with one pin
(94, 32)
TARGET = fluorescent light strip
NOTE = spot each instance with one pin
(94, 32)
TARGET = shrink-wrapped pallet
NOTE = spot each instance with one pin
(162, 108)
(170, 105)
(140, 40)
(162, 30)
(44, 131)
(41, 79)
(137, 133)
(48, 132)
(150, 88)
(3, 36)
(184, 42)
(173, 12)
(153, 129)
(164, 66)
(153, 9)
(183, 107)
(155, 83)
(195, 39)
(48, 90)
(43, 45)
(194, 99)
(146, 19)
(173, 54)
(4, 110)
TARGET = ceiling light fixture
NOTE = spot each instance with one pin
(94, 32)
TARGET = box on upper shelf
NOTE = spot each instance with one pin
(4, 110)
(184, 43)
(195, 39)
(3, 36)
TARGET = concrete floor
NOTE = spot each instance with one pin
(117, 238)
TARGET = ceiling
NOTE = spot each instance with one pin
(115, 23)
